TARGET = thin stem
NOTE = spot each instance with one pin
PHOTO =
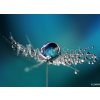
(47, 75)
(27, 69)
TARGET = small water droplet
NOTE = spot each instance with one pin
(89, 62)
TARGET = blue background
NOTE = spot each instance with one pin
(69, 31)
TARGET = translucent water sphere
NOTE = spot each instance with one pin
(50, 50)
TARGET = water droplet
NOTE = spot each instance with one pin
(82, 60)
(12, 46)
(92, 62)
(89, 62)
(76, 71)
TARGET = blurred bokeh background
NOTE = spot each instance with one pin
(69, 31)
